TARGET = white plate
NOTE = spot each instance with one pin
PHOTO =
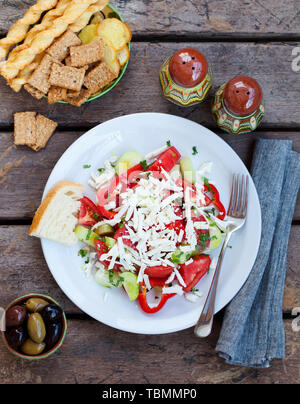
(144, 133)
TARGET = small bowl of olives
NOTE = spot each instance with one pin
(36, 327)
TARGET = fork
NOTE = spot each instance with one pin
(237, 212)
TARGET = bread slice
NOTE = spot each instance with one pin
(56, 217)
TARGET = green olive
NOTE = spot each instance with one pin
(36, 327)
(35, 304)
(32, 348)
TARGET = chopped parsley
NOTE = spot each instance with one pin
(87, 166)
(87, 260)
(82, 253)
(229, 246)
(206, 183)
(173, 155)
(111, 279)
(101, 170)
(113, 165)
(169, 143)
(144, 164)
(195, 151)
(204, 238)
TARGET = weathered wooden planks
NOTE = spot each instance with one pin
(96, 354)
(140, 91)
(24, 270)
(23, 173)
(200, 18)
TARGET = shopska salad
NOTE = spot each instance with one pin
(154, 224)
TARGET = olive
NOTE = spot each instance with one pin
(53, 334)
(36, 327)
(15, 316)
(51, 313)
(16, 337)
(32, 348)
(35, 304)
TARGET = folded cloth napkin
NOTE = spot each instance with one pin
(252, 333)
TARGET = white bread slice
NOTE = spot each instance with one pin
(56, 217)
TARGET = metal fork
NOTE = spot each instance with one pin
(236, 215)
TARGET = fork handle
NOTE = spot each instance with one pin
(205, 322)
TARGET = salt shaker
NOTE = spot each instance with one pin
(238, 105)
(186, 77)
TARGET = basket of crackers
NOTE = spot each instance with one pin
(70, 51)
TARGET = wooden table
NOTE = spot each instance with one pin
(254, 37)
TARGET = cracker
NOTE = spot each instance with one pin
(44, 130)
(25, 128)
(34, 91)
(71, 93)
(85, 54)
(56, 94)
(80, 99)
(99, 77)
(59, 50)
(40, 77)
(66, 77)
(68, 63)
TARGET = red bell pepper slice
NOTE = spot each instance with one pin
(106, 213)
(216, 201)
(166, 160)
(101, 248)
(143, 298)
(195, 271)
(159, 271)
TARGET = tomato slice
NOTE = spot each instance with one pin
(88, 213)
(121, 232)
(193, 272)
(159, 271)
(166, 160)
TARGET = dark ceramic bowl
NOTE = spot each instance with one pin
(46, 354)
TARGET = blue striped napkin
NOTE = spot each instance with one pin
(252, 333)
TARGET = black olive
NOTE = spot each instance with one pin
(15, 316)
(16, 337)
(51, 313)
(53, 334)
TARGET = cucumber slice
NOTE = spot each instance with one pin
(108, 279)
(85, 235)
(131, 285)
(110, 242)
(180, 257)
(216, 236)
(187, 170)
(105, 230)
(128, 160)
(175, 173)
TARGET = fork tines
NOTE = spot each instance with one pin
(239, 196)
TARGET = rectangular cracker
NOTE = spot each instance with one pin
(68, 63)
(40, 77)
(34, 91)
(56, 94)
(85, 54)
(99, 77)
(25, 128)
(80, 99)
(44, 130)
(59, 50)
(66, 77)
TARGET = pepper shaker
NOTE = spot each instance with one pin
(238, 105)
(186, 77)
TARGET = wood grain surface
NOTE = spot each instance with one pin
(24, 173)
(94, 354)
(25, 270)
(139, 90)
(197, 18)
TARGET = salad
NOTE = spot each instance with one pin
(153, 226)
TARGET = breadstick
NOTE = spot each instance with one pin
(18, 31)
(84, 19)
(17, 83)
(45, 38)
(46, 23)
